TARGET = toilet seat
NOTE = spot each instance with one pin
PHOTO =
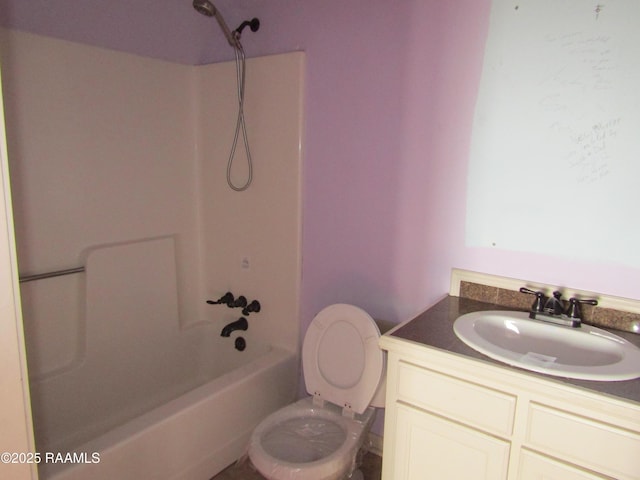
(341, 359)
(277, 447)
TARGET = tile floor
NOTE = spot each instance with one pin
(371, 469)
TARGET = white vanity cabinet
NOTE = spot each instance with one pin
(450, 417)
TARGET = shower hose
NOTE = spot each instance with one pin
(240, 123)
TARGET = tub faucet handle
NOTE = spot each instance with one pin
(230, 301)
(227, 298)
(240, 302)
(254, 306)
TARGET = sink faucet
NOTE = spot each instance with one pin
(554, 306)
(552, 309)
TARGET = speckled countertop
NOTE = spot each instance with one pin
(434, 328)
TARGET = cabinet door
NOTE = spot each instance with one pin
(537, 467)
(431, 447)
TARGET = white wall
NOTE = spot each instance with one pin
(110, 153)
(263, 223)
(101, 151)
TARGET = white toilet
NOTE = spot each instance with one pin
(318, 437)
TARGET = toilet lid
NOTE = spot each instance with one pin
(341, 359)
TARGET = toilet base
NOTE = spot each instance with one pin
(304, 441)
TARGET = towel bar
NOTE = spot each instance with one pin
(57, 273)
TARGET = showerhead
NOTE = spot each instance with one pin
(205, 7)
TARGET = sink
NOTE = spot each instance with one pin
(586, 353)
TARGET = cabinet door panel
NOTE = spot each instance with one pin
(430, 447)
(600, 447)
(537, 467)
(491, 410)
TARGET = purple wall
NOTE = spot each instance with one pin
(391, 88)
(387, 141)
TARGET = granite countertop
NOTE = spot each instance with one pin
(434, 328)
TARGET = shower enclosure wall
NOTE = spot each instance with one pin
(118, 165)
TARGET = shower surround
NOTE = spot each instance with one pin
(118, 164)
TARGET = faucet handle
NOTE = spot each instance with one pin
(254, 306)
(227, 298)
(230, 301)
(539, 302)
(574, 310)
(239, 302)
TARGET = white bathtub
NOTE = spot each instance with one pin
(193, 436)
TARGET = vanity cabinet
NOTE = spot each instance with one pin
(453, 417)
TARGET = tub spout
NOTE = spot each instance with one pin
(240, 324)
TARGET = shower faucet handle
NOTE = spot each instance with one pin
(230, 301)
(240, 302)
(227, 298)
(254, 306)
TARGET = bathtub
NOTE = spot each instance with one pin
(193, 436)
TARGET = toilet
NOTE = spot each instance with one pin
(319, 436)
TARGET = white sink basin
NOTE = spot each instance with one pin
(587, 352)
